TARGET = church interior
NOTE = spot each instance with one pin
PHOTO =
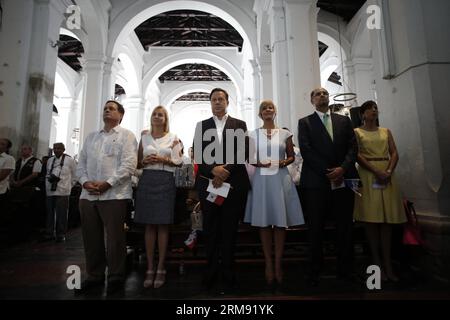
(61, 60)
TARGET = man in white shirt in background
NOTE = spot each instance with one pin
(23, 194)
(60, 178)
(27, 169)
(106, 163)
(7, 165)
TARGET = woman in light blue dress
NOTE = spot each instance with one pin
(273, 203)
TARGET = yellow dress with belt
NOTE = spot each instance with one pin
(377, 205)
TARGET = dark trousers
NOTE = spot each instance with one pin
(96, 218)
(57, 212)
(338, 205)
(220, 226)
(3, 208)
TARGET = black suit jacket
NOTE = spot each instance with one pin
(238, 174)
(320, 152)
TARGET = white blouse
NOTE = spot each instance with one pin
(162, 147)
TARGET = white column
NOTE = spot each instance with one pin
(280, 64)
(303, 56)
(109, 79)
(266, 78)
(37, 118)
(248, 114)
(15, 40)
(92, 105)
(73, 129)
(63, 120)
(134, 113)
(360, 77)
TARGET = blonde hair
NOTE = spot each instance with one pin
(266, 103)
(166, 116)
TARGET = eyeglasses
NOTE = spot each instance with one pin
(319, 93)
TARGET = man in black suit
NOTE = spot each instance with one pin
(328, 146)
(220, 152)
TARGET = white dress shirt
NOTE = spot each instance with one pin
(67, 174)
(220, 125)
(161, 147)
(7, 162)
(111, 157)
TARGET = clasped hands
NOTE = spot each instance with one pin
(383, 177)
(336, 175)
(271, 163)
(220, 175)
(96, 188)
(154, 159)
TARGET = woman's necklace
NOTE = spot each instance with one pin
(269, 132)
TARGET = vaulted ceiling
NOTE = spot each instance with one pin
(189, 28)
(343, 8)
(69, 50)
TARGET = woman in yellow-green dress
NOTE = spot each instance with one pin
(380, 205)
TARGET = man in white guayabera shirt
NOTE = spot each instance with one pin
(106, 163)
(7, 165)
(60, 179)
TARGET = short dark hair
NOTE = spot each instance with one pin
(119, 106)
(218, 90)
(8, 144)
(59, 144)
(366, 105)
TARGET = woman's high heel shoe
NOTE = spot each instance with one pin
(149, 276)
(270, 277)
(160, 279)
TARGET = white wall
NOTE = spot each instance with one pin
(15, 40)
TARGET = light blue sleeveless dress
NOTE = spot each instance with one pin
(273, 199)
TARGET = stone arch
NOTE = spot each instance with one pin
(132, 85)
(330, 36)
(335, 56)
(195, 57)
(94, 23)
(185, 89)
(126, 21)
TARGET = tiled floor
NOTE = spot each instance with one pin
(37, 271)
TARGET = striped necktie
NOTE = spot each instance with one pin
(327, 123)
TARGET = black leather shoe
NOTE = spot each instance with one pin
(313, 281)
(209, 282)
(90, 286)
(114, 286)
(60, 239)
(346, 278)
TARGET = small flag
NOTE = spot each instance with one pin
(215, 198)
(191, 241)
(354, 184)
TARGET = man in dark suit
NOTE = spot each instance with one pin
(220, 152)
(328, 146)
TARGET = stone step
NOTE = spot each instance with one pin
(248, 242)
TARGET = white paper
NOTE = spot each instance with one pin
(337, 186)
(222, 191)
(211, 197)
(377, 185)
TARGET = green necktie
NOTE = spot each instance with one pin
(327, 123)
